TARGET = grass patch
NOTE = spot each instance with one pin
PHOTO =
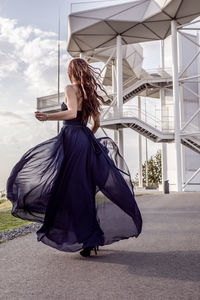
(142, 194)
(7, 220)
(6, 205)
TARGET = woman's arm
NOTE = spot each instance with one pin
(68, 114)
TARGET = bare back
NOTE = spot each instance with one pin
(78, 96)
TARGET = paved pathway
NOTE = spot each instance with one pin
(162, 263)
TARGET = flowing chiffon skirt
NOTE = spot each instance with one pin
(78, 187)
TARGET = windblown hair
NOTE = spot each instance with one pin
(88, 78)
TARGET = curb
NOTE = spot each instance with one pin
(10, 234)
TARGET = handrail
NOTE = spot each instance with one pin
(131, 111)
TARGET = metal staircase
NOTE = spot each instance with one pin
(147, 86)
(192, 143)
(140, 126)
(152, 128)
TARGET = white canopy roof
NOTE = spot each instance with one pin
(136, 21)
(132, 56)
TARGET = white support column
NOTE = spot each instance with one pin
(164, 164)
(162, 53)
(183, 150)
(114, 88)
(114, 83)
(140, 147)
(164, 145)
(146, 148)
(162, 99)
(198, 68)
(121, 141)
(119, 74)
(119, 92)
(181, 101)
(147, 169)
(116, 137)
(176, 106)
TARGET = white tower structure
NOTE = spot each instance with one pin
(189, 96)
(177, 89)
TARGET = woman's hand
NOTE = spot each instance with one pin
(41, 116)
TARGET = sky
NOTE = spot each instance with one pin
(28, 69)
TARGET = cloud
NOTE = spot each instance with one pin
(28, 59)
(9, 65)
(23, 126)
(24, 103)
(3, 4)
(31, 54)
(10, 114)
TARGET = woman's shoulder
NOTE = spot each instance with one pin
(73, 85)
(69, 86)
(73, 89)
(70, 89)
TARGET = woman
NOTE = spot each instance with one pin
(72, 183)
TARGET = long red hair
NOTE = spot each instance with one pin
(88, 78)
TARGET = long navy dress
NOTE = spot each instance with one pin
(78, 186)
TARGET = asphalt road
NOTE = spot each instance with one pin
(162, 263)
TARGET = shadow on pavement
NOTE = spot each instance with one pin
(181, 265)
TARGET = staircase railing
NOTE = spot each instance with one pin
(131, 111)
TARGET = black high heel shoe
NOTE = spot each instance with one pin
(86, 251)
